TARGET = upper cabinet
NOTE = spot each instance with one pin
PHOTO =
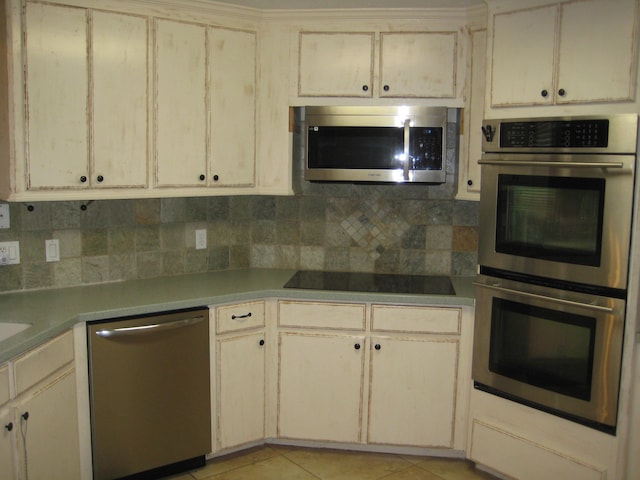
(576, 52)
(377, 64)
(138, 102)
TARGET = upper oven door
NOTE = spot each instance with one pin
(561, 217)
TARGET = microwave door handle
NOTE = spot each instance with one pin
(407, 136)
(535, 163)
(597, 308)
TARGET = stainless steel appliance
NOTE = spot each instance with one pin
(376, 144)
(555, 226)
(149, 392)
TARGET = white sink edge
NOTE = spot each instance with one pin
(9, 329)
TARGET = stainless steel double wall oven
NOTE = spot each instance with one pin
(555, 227)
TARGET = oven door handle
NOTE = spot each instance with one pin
(571, 303)
(407, 140)
(534, 163)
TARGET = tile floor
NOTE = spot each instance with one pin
(275, 462)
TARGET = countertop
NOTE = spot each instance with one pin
(52, 311)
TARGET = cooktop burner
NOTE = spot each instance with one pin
(371, 282)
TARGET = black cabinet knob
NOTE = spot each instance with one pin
(357, 346)
(25, 415)
(100, 178)
(544, 93)
(83, 179)
(562, 92)
(261, 342)
(377, 346)
(216, 178)
(365, 88)
(9, 426)
(202, 177)
(386, 88)
(469, 182)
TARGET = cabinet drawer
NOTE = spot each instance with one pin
(4, 384)
(341, 316)
(415, 319)
(243, 316)
(42, 361)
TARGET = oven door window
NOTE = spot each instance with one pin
(551, 218)
(374, 148)
(545, 348)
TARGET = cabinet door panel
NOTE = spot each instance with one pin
(119, 55)
(7, 444)
(412, 392)
(52, 430)
(233, 106)
(241, 390)
(56, 96)
(180, 104)
(523, 56)
(597, 47)
(418, 64)
(335, 64)
(320, 387)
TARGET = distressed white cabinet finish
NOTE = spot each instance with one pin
(335, 64)
(181, 104)
(418, 64)
(412, 394)
(86, 95)
(7, 426)
(411, 64)
(575, 52)
(206, 93)
(320, 386)
(44, 407)
(240, 371)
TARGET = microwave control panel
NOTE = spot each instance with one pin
(555, 133)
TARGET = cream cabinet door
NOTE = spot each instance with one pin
(232, 70)
(421, 64)
(120, 100)
(241, 389)
(56, 96)
(320, 386)
(335, 64)
(180, 109)
(8, 444)
(412, 393)
(51, 443)
(598, 48)
(522, 60)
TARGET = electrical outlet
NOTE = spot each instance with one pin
(9, 253)
(201, 239)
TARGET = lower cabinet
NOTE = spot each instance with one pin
(40, 437)
(240, 371)
(320, 386)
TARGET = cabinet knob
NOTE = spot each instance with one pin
(365, 88)
(261, 342)
(562, 92)
(216, 178)
(544, 93)
(100, 179)
(377, 346)
(202, 177)
(9, 426)
(357, 346)
(25, 415)
(83, 179)
(386, 88)
(469, 182)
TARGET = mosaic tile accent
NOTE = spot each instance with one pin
(375, 227)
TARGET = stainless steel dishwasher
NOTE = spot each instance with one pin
(149, 391)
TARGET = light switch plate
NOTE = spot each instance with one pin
(9, 253)
(52, 250)
(4, 215)
(201, 239)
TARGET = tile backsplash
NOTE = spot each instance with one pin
(417, 229)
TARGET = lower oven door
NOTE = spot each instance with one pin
(555, 350)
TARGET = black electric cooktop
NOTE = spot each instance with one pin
(371, 282)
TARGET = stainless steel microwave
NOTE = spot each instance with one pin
(375, 144)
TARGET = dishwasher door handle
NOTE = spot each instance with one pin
(142, 329)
